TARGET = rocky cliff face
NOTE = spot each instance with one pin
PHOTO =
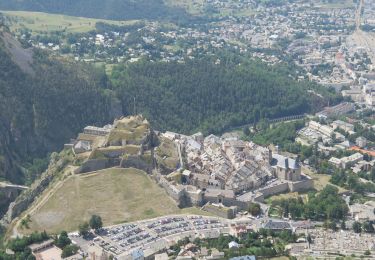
(7, 195)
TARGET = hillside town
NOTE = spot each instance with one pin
(322, 41)
(229, 174)
(225, 176)
(281, 30)
(301, 187)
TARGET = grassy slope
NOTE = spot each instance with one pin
(321, 180)
(117, 195)
(194, 7)
(336, 4)
(44, 22)
(108, 9)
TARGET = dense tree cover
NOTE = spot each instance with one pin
(25, 222)
(34, 168)
(69, 250)
(329, 224)
(283, 134)
(353, 182)
(255, 209)
(20, 246)
(362, 131)
(2, 233)
(325, 205)
(4, 202)
(64, 242)
(109, 9)
(42, 110)
(84, 229)
(368, 226)
(204, 94)
(357, 228)
(96, 222)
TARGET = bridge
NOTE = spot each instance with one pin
(10, 191)
(12, 186)
(287, 118)
(274, 120)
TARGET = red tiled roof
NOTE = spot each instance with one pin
(357, 149)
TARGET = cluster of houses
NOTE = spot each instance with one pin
(369, 13)
(227, 174)
(319, 38)
(325, 136)
(254, 24)
(364, 92)
(329, 138)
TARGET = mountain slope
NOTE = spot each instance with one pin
(108, 9)
(206, 96)
(43, 105)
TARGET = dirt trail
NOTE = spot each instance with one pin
(39, 203)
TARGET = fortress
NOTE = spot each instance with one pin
(194, 170)
(221, 175)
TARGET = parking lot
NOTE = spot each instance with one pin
(156, 234)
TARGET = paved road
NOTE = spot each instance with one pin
(178, 147)
(364, 39)
(358, 15)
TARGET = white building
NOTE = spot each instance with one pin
(361, 142)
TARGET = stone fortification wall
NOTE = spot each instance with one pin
(224, 212)
(305, 184)
(241, 205)
(214, 199)
(136, 161)
(96, 165)
(171, 189)
(275, 189)
(27, 197)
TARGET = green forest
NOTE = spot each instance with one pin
(204, 95)
(49, 101)
(326, 205)
(109, 9)
(42, 110)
